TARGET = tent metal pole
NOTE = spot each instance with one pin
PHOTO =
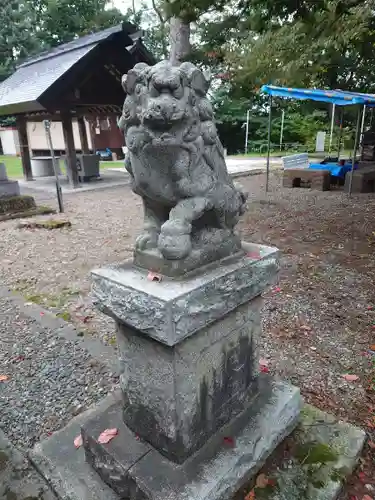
(340, 136)
(247, 130)
(332, 125)
(269, 143)
(282, 128)
(355, 148)
(362, 129)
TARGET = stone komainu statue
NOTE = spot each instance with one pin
(177, 166)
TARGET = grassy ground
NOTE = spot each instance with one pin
(14, 166)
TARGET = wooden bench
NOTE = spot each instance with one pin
(307, 178)
(363, 179)
(299, 161)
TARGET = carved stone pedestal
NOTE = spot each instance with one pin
(188, 350)
(7, 188)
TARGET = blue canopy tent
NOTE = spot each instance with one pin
(337, 97)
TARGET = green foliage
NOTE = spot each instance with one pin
(60, 21)
(327, 43)
(16, 34)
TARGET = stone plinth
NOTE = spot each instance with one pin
(189, 362)
(7, 188)
(187, 347)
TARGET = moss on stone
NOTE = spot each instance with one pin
(44, 224)
(16, 204)
(65, 315)
(315, 453)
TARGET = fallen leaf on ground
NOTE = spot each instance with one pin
(261, 481)
(371, 445)
(350, 378)
(107, 435)
(78, 441)
(264, 369)
(250, 495)
(367, 497)
(253, 255)
(4, 378)
(277, 289)
(362, 476)
(154, 277)
(229, 440)
(263, 362)
(372, 347)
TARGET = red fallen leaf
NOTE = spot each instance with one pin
(264, 369)
(250, 495)
(137, 437)
(154, 277)
(42, 313)
(350, 378)
(253, 255)
(276, 289)
(229, 440)
(4, 378)
(107, 435)
(369, 308)
(362, 476)
(19, 358)
(78, 441)
(367, 497)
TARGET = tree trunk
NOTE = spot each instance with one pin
(179, 40)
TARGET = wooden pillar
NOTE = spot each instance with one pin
(70, 150)
(24, 147)
(83, 135)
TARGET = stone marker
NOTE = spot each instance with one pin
(7, 188)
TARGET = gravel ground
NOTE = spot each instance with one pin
(318, 323)
(49, 379)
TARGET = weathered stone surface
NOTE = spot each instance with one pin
(18, 479)
(177, 397)
(177, 165)
(9, 188)
(217, 471)
(64, 467)
(172, 310)
(324, 453)
(3, 173)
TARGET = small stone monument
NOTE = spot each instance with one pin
(197, 420)
(7, 188)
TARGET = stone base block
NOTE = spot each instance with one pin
(228, 246)
(9, 188)
(72, 478)
(363, 180)
(315, 460)
(171, 310)
(136, 471)
(15, 204)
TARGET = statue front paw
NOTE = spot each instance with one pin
(174, 240)
(148, 239)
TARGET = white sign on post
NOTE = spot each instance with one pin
(320, 141)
